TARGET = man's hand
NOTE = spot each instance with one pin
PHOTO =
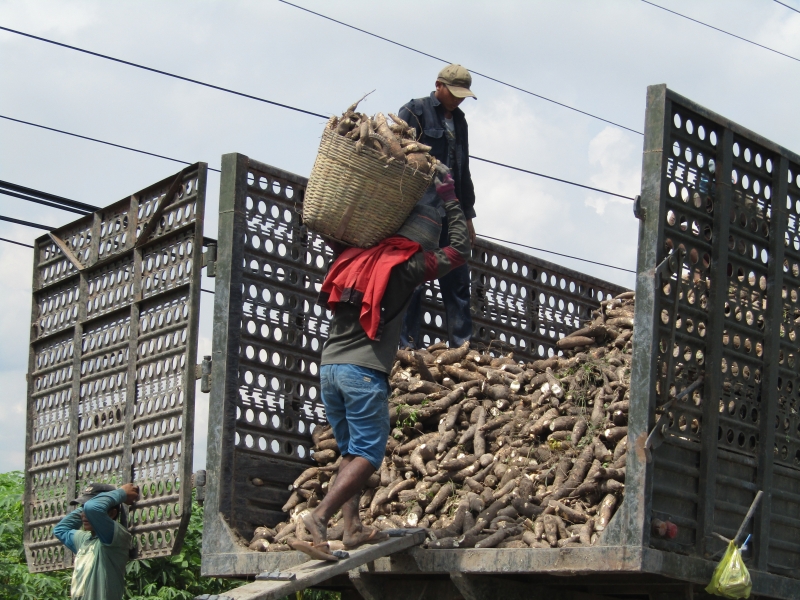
(472, 234)
(132, 491)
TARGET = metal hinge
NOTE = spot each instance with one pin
(203, 373)
(638, 209)
(210, 258)
(199, 485)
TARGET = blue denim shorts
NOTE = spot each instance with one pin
(356, 402)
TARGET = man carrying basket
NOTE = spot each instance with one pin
(369, 291)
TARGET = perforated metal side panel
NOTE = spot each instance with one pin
(519, 302)
(111, 372)
(269, 334)
(719, 202)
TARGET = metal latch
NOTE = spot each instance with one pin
(203, 373)
(210, 257)
(638, 209)
(199, 485)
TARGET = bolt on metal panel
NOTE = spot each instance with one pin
(269, 333)
(111, 371)
(721, 215)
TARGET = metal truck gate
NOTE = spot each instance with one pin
(268, 334)
(723, 203)
(111, 370)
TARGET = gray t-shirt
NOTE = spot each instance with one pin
(450, 133)
(347, 342)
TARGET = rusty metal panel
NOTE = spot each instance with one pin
(269, 334)
(111, 371)
(720, 206)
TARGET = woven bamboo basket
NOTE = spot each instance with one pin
(356, 197)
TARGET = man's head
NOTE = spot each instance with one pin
(452, 86)
(89, 492)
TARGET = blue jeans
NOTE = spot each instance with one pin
(356, 403)
(456, 300)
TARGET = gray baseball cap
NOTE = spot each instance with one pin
(91, 490)
(458, 81)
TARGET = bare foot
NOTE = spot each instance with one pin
(363, 535)
(317, 529)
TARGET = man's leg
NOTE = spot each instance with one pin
(456, 299)
(412, 321)
(364, 393)
(336, 412)
(353, 474)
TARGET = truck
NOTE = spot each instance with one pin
(713, 425)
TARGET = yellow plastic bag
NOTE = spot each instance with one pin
(731, 578)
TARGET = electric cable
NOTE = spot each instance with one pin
(588, 187)
(160, 72)
(27, 223)
(787, 6)
(91, 139)
(44, 202)
(490, 78)
(125, 62)
(738, 37)
(486, 160)
(2, 239)
(47, 196)
(488, 237)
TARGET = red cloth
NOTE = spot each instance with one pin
(362, 275)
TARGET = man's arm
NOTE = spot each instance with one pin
(66, 528)
(96, 511)
(467, 188)
(443, 260)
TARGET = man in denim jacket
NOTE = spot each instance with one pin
(441, 125)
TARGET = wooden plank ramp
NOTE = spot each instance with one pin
(271, 586)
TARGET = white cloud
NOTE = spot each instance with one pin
(615, 157)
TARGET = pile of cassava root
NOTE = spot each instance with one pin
(487, 452)
(396, 141)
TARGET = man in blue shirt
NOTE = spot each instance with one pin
(441, 125)
(101, 543)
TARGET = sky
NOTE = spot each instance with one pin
(598, 57)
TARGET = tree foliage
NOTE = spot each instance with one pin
(169, 578)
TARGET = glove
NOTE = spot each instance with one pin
(446, 188)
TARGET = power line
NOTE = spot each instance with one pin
(588, 187)
(738, 37)
(512, 86)
(6, 185)
(160, 72)
(91, 139)
(558, 254)
(26, 223)
(486, 160)
(787, 6)
(244, 95)
(44, 202)
(2, 239)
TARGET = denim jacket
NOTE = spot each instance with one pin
(426, 115)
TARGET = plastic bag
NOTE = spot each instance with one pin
(731, 578)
